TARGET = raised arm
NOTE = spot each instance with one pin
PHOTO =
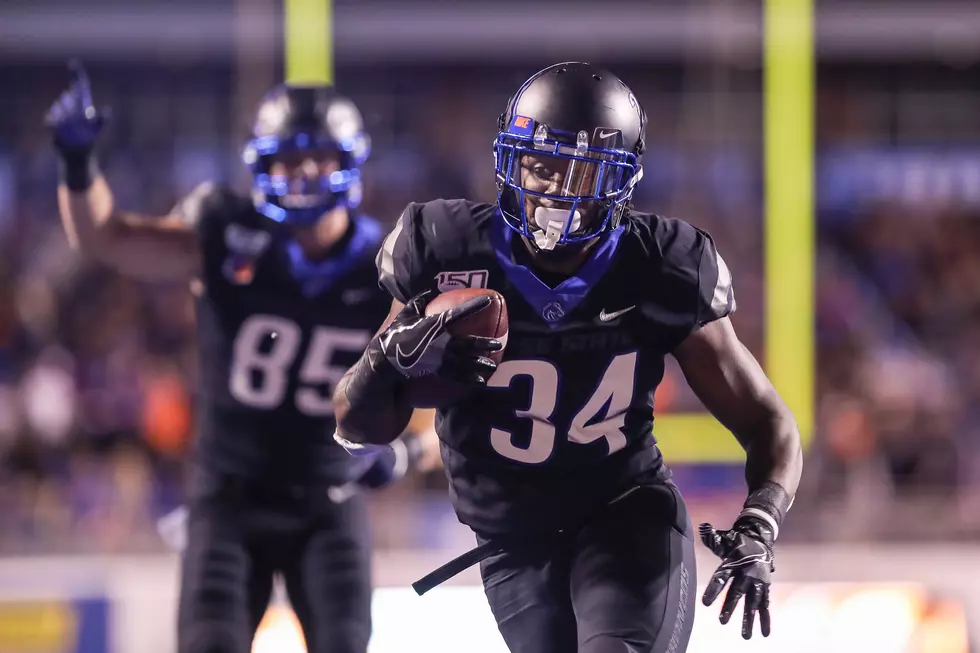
(163, 248)
(151, 248)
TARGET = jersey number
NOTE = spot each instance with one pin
(615, 393)
(268, 390)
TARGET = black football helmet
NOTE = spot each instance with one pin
(298, 118)
(568, 152)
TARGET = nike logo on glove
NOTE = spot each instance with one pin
(408, 360)
(748, 559)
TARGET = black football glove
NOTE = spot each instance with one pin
(747, 559)
(418, 345)
(412, 346)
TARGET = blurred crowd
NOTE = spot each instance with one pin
(898, 382)
(97, 372)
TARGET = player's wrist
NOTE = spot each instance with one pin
(759, 529)
(375, 413)
(765, 508)
(371, 378)
(77, 167)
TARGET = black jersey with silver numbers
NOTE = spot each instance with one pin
(565, 423)
(276, 333)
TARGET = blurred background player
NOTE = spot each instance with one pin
(286, 299)
(585, 541)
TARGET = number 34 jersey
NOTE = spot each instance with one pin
(276, 333)
(564, 425)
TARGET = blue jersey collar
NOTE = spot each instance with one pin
(319, 276)
(553, 305)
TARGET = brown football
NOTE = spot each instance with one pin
(491, 321)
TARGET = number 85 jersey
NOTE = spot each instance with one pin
(276, 333)
(565, 423)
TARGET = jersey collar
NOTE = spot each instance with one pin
(553, 305)
(317, 277)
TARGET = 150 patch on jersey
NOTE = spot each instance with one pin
(245, 246)
(446, 281)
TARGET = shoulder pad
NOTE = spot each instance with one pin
(449, 226)
(691, 259)
(424, 235)
(717, 292)
(398, 257)
(198, 203)
(695, 283)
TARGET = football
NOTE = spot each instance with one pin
(491, 322)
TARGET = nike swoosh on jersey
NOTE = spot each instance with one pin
(407, 360)
(607, 317)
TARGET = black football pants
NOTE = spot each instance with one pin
(624, 583)
(239, 536)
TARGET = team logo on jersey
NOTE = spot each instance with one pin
(245, 246)
(552, 312)
(446, 281)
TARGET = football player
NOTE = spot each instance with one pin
(287, 299)
(585, 543)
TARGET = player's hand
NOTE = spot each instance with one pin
(358, 449)
(73, 120)
(747, 559)
(417, 345)
(376, 465)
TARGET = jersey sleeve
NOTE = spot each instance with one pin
(192, 208)
(716, 294)
(198, 210)
(227, 226)
(693, 284)
(401, 258)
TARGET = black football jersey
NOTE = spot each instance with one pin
(276, 334)
(565, 422)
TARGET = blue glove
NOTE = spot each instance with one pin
(390, 466)
(378, 465)
(357, 449)
(73, 119)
